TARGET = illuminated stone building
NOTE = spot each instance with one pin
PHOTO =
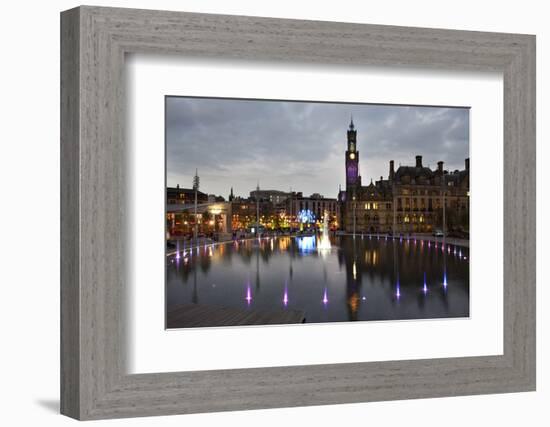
(316, 204)
(183, 196)
(213, 213)
(410, 200)
(273, 196)
(245, 210)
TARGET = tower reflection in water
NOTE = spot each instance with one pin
(355, 279)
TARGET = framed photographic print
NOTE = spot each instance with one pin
(337, 250)
(282, 213)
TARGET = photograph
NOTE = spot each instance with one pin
(303, 212)
(268, 212)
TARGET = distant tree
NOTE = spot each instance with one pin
(276, 221)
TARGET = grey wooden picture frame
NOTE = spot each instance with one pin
(94, 42)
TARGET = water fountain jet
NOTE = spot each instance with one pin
(324, 243)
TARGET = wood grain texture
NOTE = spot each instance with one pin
(94, 176)
(70, 260)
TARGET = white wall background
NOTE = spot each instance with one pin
(29, 212)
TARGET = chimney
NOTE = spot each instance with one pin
(467, 164)
(418, 161)
(392, 171)
(440, 166)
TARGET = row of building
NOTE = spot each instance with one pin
(273, 209)
(412, 199)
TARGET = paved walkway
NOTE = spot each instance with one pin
(198, 315)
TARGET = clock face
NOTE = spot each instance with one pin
(352, 156)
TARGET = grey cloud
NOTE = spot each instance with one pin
(301, 145)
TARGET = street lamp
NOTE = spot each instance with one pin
(444, 212)
(257, 209)
(196, 182)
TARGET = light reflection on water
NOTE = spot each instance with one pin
(358, 279)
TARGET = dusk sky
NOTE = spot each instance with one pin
(301, 145)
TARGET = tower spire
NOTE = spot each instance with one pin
(196, 180)
(351, 125)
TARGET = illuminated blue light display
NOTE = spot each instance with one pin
(305, 216)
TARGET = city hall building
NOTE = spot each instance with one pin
(412, 199)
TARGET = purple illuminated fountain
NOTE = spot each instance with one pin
(285, 295)
(325, 297)
(248, 297)
(425, 287)
(398, 289)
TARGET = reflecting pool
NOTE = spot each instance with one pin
(361, 278)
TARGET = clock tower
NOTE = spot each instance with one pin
(353, 180)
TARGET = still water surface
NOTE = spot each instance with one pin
(357, 279)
